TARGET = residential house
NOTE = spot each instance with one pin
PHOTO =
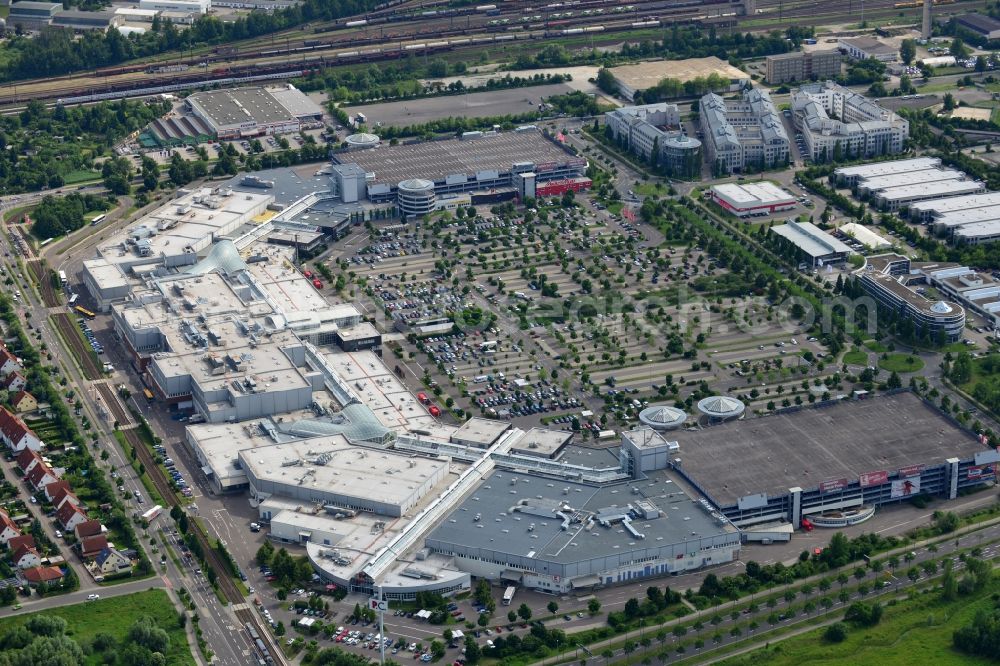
(9, 363)
(111, 561)
(15, 381)
(53, 489)
(15, 434)
(92, 546)
(21, 540)
(62, 496)
(27, 459)
(24, 402)
(8, 528)
(41, 475)
(38, 575)
(88, 528)
(70, 515)
(26, 557)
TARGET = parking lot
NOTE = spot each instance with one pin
(553, 315)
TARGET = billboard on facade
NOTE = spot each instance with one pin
(832, 485)
(905, 487)
(873, 478)
(912, 470)
(979, 471)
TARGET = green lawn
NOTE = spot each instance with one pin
(80, 176)
(876, 346)
(651, 189)
(916, 631)
(115, 616)
(856, 357)
(900, 363)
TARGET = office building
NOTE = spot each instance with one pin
(863, 48)
(836, 122)
(643, 129)
(802, 66)
(816, 247)
(743, 133)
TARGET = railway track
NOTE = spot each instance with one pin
(71, 334)
(43, 278)
(243, 611)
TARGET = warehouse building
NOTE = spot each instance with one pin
(835, 120)
(643, 129)
(31, 15)
(185, 6)
(81, 21)
(852, 175)
(863, 48)
(986, 27)
(895, 283)
(827, 465)
(745, 132)
(241, 113)
(874, 186)
(902, 196)
(816, 247)
(752, 199)
(802, 66)
(641, 76)
(865, 236)
(928, 211)
(425, 176)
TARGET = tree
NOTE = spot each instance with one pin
(145, 632)
(511, 616)
(606, 81)
(907, 51)
(594, 606)
(958, 48)
(949, 102)
(836, 633)
(553, 607)
(472, 651)
(524, 612)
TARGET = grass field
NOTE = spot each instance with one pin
(856, 357)
(916, 631)
(115, 616)
(900, 363)
(80, 176)
(876, 346)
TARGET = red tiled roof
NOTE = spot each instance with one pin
(13, 427)
(42, 574)
(21, 540)
(25, 458)
(38, 473)
(88, 528)
(21, 552)
(60, 495)
(56, 487)
(5, 521)
(92, 545)
(65, 513)
(12, 377)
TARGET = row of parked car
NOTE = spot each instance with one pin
(172, 470)
(95, 344)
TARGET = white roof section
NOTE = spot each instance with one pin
(925, 190)
(887, 168)
(721, 406)
(662, 417)
(951, 204)
(753, 194)
(481, 432)
(960, 218)
(879, 183)
(811, 239)
(295, 101)
(978, 230)
(865, 236)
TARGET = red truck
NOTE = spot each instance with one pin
(308, 274)
(424, 400)
(317, 284)
(435, 412)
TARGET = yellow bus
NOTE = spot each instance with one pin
(148, 394)
(84, 311)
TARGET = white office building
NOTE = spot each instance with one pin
(742, 133)
(836, 121)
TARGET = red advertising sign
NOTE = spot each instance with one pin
(833, 484)
(873, 478)
(912, 470)
(980, 471)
